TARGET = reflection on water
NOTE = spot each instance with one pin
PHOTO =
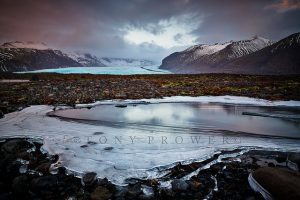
(197, 117)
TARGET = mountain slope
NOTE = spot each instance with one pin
(15, 59)
(29, 56)
(283, 57)
(208, 58)
(199, 53)
(86, 59)
(127, 62)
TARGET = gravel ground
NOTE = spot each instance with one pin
(53, 89)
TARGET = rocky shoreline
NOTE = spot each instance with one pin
(71, 89)
(27, 172)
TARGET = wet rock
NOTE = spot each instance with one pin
(295, 158)
(98, 133)
(280, 183)
(179, 185)
(195, 185)
(89, 178)
(16, 146)
(271, 165)
(6, 196)
(120, 192)
(101, 193)
(103, 181)
(134, 191)
(1, 114)
(10, 168)
(215, 168)
(165, 193)
(148, 192)
(20, 185)
(121, 106)
(84, 146)
(44, 183)
(92, 142)
(108, 148)
(43, 168)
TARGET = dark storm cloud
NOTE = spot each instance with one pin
(100, 26)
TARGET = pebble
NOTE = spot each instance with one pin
(89, 178)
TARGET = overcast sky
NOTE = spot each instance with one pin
(149, 29)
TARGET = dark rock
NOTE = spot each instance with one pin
(215, 168)
(148, 192)
(84, 146)
(44, 168)
(120, 192)
(134, 191)
(1, 114)
(121, 106)
(5, 196)
(20, 185)
(89, 178)
(179, 185)
(101, 193)
(16, 146)
(295, 158)
(195, 185)
(98, 133)
(92, 142)
(44, 183)
(103, 181)
(108, 148)
(280, 183)
(271, 165)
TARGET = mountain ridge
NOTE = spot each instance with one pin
(282, 57)
(29, 56)
(208, 57)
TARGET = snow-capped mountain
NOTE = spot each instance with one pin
(126, 62)
(86, 59)
(282, 57)
(29, 56)
(203, 57)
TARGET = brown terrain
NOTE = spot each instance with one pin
(54, 89)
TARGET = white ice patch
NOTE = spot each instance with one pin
(202, 99)
(104, 70)
(134, 156)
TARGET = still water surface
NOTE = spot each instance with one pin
(195, 118)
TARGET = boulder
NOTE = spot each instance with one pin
(101, 193)
(20, 185)
(89, 178)
(16, 146)
(179, 185)
(280, 183)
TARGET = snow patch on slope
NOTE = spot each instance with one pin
(245, 47)
(85, 59)
(206, 49)
(126, 62)
(227, 99)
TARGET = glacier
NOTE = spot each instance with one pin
(117, 70)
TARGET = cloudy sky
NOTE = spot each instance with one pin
(148, 29)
